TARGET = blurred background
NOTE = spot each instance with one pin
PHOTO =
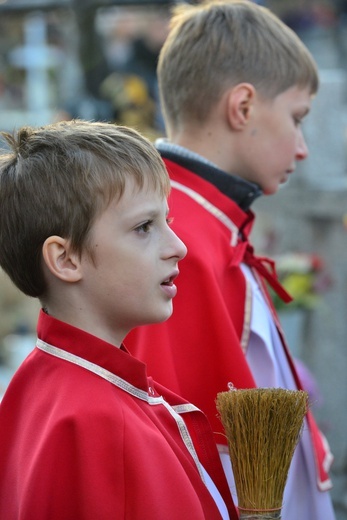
(96, 59)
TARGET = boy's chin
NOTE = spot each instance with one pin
(272, 190)
(168, 315)
(165, 315)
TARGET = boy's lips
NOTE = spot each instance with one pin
(170, 278)
(291, 168)
(168, 286)
(287, 174)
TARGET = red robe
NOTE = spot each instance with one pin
(201, 348)
(86, 435)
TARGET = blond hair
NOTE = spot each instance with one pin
(213, 46)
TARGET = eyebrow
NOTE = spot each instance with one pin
(150, 213)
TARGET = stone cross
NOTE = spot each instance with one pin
(37, 58)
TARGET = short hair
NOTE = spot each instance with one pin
(56, 180)
(216, 45)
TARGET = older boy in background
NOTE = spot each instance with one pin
(85, 434)
(235, 84)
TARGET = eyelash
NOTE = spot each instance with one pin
(146, 225)
(298, 121)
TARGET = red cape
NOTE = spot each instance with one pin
(200, 349)
(85, 435)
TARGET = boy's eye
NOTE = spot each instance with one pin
(299, 119)
(145, 227)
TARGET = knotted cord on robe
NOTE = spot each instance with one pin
(266, 268)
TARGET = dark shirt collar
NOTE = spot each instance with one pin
(239, 190)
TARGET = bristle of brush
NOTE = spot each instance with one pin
(262, 426)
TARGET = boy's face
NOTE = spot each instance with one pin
(273, 141)
(135, 252)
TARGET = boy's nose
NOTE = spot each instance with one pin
(302, 148)
(177, 247)
(181, 248)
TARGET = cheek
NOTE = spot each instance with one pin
(288, 136)
(283, 148)
(136, 277)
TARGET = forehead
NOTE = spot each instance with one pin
(150, 182)
(139, 196)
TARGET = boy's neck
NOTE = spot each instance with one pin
(84, 321)
(212, 141)
(202, 148)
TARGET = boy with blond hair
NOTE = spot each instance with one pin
(85, 434)
(235, 84)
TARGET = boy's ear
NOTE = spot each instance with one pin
(240, 105)
(59, 259)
